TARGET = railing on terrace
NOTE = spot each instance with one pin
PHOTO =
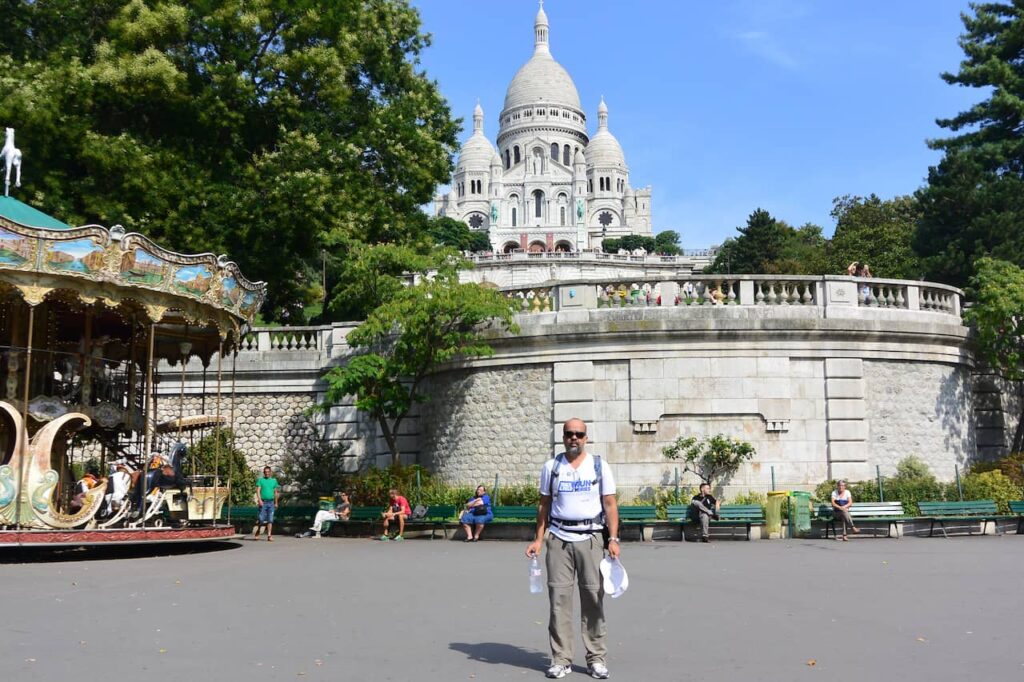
(284, 339)
(686, 257)
(746, 290)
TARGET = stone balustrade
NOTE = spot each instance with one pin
(285, 339)
(742, 290)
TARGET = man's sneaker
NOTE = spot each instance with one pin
(316, 536)
(398, 538)
(307, 534)
(385, 537)
(599, 671)
(558, 671)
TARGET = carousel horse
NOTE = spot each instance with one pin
(12, 159)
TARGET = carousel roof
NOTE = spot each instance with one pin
(23, 214)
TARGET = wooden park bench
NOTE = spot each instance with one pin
(1017, 509)
(889, 513)
(643, 516)
(729, 515)
(516, 514)
(969, 512)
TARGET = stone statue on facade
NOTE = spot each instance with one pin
(12, 159)
(579, 209)
(494, 211)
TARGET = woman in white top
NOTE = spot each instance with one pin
(841, 501)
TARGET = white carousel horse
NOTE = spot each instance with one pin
(12, 159)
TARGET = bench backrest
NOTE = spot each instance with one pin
(966, 508)
(511, 511)
(366, 513)
(677, 512)
(440, 512)
(741, 512)
(638, 512)
(1017, 507)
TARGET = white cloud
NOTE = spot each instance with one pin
(764, 45)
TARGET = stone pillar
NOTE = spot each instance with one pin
(847, 429)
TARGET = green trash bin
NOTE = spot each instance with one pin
(773, 513)
(800, 514)
(325, 503)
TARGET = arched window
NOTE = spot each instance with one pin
(538, 203)
(554, 151)
(565, 155)
(590, 185)
(600, 183)
(515, 154)
(514, 221)
(508, 162)
(561, 215)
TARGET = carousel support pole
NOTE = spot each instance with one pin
(186, 348)
(217, 430)
(131, 379)
(22, 492)
(147, 420)
(87, 360)
(231, 424)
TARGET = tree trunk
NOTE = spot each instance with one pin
(390, 438)
(1018, 435)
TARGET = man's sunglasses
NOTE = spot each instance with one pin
(570, 434)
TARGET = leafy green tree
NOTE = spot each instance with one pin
(415, 328)
(447, 231)
(973, 204)
(803, 252)
(217, 453)
(667, 242)
(997, 315)
(629, 242)
(877, 232)
(715, 459)
(268, 130)
(759, 244)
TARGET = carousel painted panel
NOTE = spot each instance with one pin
(193, 280)
(79, 256)
(16, 250)
(141, 267)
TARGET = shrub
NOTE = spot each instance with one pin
(750, 497)
(315, 467)
(370, 488)
(1012, 466)
(990, 485)
(661, 498)
(217, 451)
(715, 459)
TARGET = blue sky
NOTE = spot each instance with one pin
(728, 106)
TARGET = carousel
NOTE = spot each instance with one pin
(86, 316)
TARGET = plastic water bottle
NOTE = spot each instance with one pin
(536, 576)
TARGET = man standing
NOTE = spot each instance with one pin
(267, 497)
(398, 509)
(577, 502)
(705, 507)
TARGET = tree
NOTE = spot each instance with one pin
(879, 233)
(997, 316)
(760, 243)
(415, 329)
(447, 231)
(973, 204)
(268, 130)
(714, 459)
(802, 253)
(667, 242)
(629, 242)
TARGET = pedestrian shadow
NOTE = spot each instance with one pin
(498, 653)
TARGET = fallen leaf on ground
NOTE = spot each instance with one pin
(812, 662)
(921, 639)
(163, 651)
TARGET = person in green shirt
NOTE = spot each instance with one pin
(267, 498)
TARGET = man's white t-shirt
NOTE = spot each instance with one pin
(578, 495)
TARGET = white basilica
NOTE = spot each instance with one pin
(549, 186)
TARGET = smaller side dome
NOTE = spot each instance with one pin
(477, 152)
(604, 150)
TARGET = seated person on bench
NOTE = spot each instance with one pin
(841, 501)
(398, 508)
(478, 513)
(705, 506)
(342, 510)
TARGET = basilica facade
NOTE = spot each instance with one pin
(549, 185)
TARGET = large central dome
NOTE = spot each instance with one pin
(542, 79)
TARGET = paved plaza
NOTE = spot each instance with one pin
(352, 609)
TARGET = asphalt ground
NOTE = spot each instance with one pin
(355, 609)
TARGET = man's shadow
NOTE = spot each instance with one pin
(498, 653)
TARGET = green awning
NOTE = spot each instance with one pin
(23, 214)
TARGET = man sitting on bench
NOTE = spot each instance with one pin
(342, 510)
(705, 507)
(398, 508)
